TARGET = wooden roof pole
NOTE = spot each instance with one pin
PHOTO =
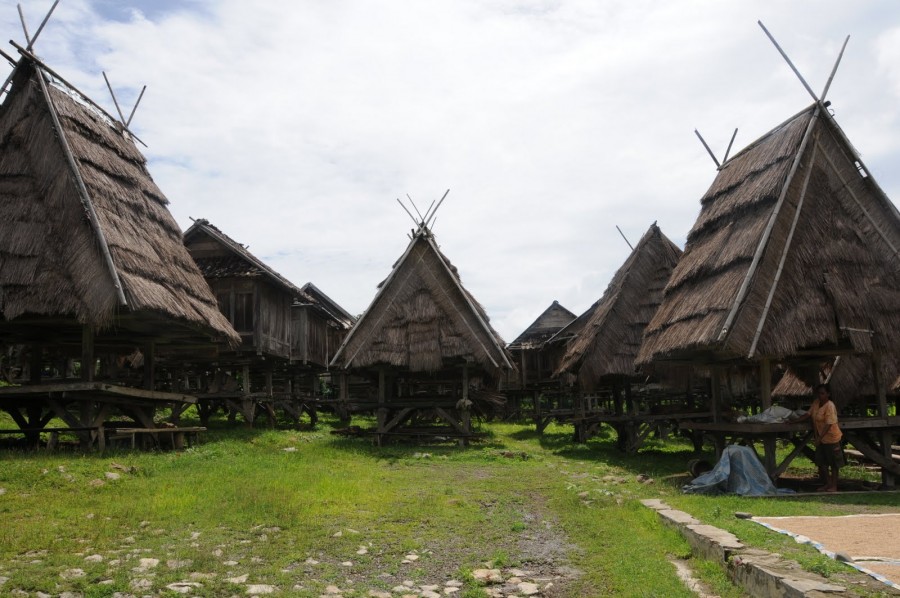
(757, 256)
(82, 190)
(835, 68)
(28, 39)
(784, 252)
(790, 64)
(38, 62)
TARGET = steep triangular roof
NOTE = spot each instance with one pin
(422, 319)
(609, 341)
(551, 321)
(240, 262)
(796, 250)
(86, 237)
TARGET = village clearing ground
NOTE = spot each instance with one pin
(307, 513)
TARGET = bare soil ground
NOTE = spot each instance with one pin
(872, 540)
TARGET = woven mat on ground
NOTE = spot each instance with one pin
(872, 541)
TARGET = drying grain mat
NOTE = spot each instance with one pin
(871, 541)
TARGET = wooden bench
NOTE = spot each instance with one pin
(179, 436)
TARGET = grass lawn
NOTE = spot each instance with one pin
(294, 512)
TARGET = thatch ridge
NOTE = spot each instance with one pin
(60, 271)
(608, 343)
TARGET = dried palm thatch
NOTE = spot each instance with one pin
(850, 377)
(54, 231)
(609, 341)
(551, 321)
(423, 320)
(795, 249)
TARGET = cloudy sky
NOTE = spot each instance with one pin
(294, 126)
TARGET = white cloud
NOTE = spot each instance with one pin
(293, 126)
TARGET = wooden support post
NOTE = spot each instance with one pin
(765, 383)
(150, 366)
(765, 399)
(344, 398)
(465, 412)
(715, 398)
(522, 372)
(888, 479)
(87, 353)
(270, 405)
(245, 379)
(35, 364)
(382, 411)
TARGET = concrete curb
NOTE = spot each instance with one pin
(758, 572)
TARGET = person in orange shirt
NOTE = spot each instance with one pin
(827, 433)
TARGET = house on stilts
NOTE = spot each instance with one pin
(96, 288)
(535, 365)
(288, 333)
(794, 260)
(427, 349)
(607, 386)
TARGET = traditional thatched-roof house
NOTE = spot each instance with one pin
(599, 357)
(86, 240)
(426, 340)
(533, 365)
(608, 343)
(95, 284)
(796, 252)
(287, 332)
(794, 258)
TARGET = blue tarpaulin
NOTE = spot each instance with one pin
(739, 471)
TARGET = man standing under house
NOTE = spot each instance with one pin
(829, 454)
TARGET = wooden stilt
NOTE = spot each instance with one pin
(150, 366)
(888, 479)
(87, 353)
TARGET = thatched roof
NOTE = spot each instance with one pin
(86, 237)
(850, 377)
(423, 320)
(551, 321)
(609, 341)
(795, 251)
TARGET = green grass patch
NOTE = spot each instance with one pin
(302, 510)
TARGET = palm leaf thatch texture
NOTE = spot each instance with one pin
(423, 320)
(795, 249)
(608, 343)
(551, 321)
(850, 377)
(53, 232)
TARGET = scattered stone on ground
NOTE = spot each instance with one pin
(184, 587)
(260, 588)
(239, 579)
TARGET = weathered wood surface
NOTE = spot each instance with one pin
(101, 389)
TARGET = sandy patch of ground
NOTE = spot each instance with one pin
(872, 541)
